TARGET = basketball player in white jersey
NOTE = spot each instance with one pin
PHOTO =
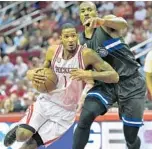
(54, 113)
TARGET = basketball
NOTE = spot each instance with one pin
(50, 82)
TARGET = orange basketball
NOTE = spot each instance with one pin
(50, 82)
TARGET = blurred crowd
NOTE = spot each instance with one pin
(17, 48)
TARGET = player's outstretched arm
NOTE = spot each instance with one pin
(109, 21)
(104, 71)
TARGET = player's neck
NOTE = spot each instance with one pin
(88, 32)
(68, 55)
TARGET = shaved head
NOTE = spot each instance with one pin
(88, 3)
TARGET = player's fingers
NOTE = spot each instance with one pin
(75, 78)
(74, 74)
(73, 70)
(41, 77)
(87, 22)
(38, 80)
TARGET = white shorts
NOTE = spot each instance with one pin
(49, 119)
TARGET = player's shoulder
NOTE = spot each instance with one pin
(52, 49)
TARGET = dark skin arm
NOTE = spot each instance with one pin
(104, 71)
(111, 24)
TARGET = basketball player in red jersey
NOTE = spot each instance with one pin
(54, 113)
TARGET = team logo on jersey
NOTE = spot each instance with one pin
(102, 51)
(58, 60)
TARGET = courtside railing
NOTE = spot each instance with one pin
(145, 51)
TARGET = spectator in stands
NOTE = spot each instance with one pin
(140, 13)
(2, 100)
(3, 45)
(35, 40)
(18, 88)
(20, 68)
(146, 25)
(54, 40)
(6, 68)
(5, 19)
(20, 40)
(75, 20)
(65, 18)
(106, 6)
(16, 103)
(34, 63)
(28, 99)
(8, 106)
(10, 47)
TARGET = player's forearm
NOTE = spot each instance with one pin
(106, 76)
(115, 23)
(149, 82)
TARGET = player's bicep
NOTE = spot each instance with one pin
(49, 56)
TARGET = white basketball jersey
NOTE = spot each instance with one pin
(68, 91)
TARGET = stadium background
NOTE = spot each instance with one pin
(28, 28)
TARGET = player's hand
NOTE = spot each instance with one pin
(33, 75)
(94, 22)
(80, 74)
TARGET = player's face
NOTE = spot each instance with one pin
(87, 11)
(69, 39)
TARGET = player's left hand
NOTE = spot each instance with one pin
(94, 22)
(80, 74)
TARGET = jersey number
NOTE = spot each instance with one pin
(65, 80)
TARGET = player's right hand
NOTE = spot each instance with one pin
(94, 22)
(38, 78)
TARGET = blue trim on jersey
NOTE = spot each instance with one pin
(132, 121)
(113, 44)
(100, 97)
